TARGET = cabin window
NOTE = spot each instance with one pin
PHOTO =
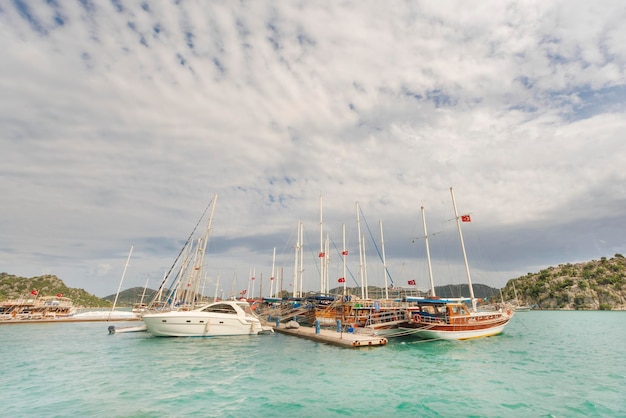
(220, 308)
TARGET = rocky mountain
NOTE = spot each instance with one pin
(593, 285)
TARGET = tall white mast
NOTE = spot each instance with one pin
(364, 279)
(326, 263)
(382, 244)
(430, 268)
(200, 260)
(358, 228)
(217, 285)
(301, 258)
(295, 267)
(322, 254)
(272, 278)
(144, 291)
(344, 254)
(252, 280)
(119, 287)
(467, 271)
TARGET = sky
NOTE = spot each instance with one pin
(121, 120)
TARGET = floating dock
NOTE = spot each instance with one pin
(343, 339)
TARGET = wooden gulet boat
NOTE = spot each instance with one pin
(451, 319)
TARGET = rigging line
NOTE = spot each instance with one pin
(166, 277)
(375, 246)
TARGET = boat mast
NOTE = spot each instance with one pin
(272, 277)
(344, 254)
(217, 285)
(430, 268)
(358, 228)
(322, 255)
(467, 271)
(198, 267)
(301, 258)
(121, 280)
(326, 262)
(295, 264)
(515, 291)
(382, 244)
(364, 280)
(143, 294)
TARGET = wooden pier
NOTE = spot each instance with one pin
(343, 339)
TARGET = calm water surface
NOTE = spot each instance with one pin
(558, 364)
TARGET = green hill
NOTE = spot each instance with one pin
(14, 287)
(592, 285)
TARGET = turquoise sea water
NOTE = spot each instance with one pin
(560, 364)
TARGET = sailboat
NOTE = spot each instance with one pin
(452, 319)
(518, 307)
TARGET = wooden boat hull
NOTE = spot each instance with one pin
(465, 331)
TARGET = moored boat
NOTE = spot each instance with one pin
(39, 307)
(452, 319)
(215, 319)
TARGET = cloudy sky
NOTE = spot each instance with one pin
(119, 121)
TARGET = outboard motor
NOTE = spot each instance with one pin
(111, 329)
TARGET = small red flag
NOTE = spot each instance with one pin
(271, 278)
(59, 295)
(341, 280)
(322, 255)
(243, 292)
(34, 292)
(466, 218)
(344, 252)
(412, 282)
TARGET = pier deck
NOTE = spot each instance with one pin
(345, 339)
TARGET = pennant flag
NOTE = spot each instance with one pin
(243, 292)
(466, 218)
(412, 282)
(342, 280)
(59, 295)
(344, 252)
(251, 278)
(271, 278)
(35, 292)
(322, 255)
